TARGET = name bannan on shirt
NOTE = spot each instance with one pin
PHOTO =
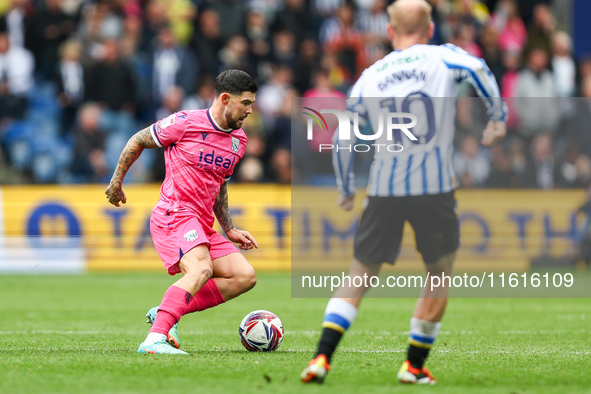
(385, 121)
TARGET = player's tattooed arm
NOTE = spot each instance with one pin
(133, 149)
(221, 209)
(222, 212)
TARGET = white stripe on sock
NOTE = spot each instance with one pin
(342, 308)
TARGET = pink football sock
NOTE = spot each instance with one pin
(207, 297)
(173, 306)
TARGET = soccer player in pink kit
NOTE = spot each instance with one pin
(202, 148)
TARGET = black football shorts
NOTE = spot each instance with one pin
(432, 217)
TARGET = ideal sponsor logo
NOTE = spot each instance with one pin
(216, 163)
(216, 160)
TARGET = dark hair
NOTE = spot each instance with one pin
(234, 82)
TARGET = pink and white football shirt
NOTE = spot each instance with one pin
(199, 156)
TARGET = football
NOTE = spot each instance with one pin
(261, 331)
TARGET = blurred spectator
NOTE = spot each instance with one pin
(574, 171)
(563, 64)
(535, 89)
(89, 164)
(464, 37)
(173, 65)
(232, 13)
(16, 19)
(340, 37)
(281, 166)
(471, 118)
(340, 77)
(502, 174)
(90, 35)
(518, 156)
(250, 171)
(110, 82)
(364, 5)
(70, 82)
(111, 20)
(284, 49)
(16, 78)
(540, 172)
(203, 97)
(326, 8)
(471, 12)
(441, 20)
(171, 103)
(281, 135)
(508, 85)
(270, 96)
(491, 52)
(267, 7)
(506, 20)
(470, 164)
(257, 32)
(140, 63)
(511, 64)
(294, 17)
(322, 86)
(180, 14)
(576, 126)
(235, 55)
(47, 30)
(371, 23)
(255, 131)
(132, 36)
(541, 30)
(8, 173)
(308, 59)
(207, 41)
(155, 18)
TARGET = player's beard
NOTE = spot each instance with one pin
(233, 123)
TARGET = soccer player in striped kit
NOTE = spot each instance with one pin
(202, 148)
(416, 185)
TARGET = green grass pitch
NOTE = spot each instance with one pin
(79, 334)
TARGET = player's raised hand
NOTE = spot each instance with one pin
(494, 133)
(115, 194)
(245, 240)
(346, 202)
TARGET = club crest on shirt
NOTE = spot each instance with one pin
(169, 121)
(191, 235)
(235, 144)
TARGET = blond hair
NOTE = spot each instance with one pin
(409, 17)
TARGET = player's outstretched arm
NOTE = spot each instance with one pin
(134, 148)
(222, 213)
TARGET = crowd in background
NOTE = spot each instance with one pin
(79, 77)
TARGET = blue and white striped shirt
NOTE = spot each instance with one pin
(421, 80)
